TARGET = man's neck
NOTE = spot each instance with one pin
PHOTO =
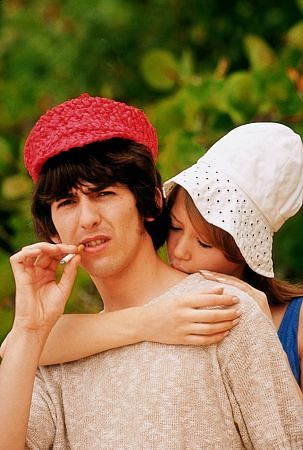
(146, 278)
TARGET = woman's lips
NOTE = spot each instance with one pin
(175, 266)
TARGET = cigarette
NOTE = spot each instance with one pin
(67, 258)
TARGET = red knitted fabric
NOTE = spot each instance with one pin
(81, 121)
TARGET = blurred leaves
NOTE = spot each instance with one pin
(160, 69)
(16, 187)
(294, 36)
(259, 54)
(6, 157)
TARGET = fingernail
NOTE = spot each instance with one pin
(235, 299)
(238, 312)
(219, 278)
(226, 333)
(236, 321)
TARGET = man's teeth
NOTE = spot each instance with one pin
(95, 243)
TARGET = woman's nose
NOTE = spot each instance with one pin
(182, 249)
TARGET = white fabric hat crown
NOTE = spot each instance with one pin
(249, 183)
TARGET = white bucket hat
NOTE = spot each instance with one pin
(248, 183)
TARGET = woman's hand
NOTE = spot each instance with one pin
(196, 319)
(40, 296)
(257, 295)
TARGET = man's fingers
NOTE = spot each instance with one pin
(69, 275)
(25, 253)
(41, 253)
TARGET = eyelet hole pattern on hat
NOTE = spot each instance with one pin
(223, 204)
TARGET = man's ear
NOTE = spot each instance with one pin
(159, 202)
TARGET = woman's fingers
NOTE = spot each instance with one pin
(212, 316)
(216, 275)
(227, 279)
(211, 328)
(197, 340)
(259, 296)
(209, 299)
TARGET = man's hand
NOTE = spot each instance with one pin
(40, 296)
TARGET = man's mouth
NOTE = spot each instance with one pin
(94, 243)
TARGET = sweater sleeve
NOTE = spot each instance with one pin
(42, 427)
(266, 406)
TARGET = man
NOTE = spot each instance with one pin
(98, 193)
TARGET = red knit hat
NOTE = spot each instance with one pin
(81, 121)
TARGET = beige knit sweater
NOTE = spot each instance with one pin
(234, 395)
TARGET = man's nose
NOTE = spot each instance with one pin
(89, 213)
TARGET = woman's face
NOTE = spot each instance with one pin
(190, 251)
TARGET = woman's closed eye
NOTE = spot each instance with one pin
(203, 244)
(174, 228)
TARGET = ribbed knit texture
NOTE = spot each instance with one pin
(81, 121)
(234, 395)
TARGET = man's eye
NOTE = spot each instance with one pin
(104, 193)
(65, 202)
(203, 244)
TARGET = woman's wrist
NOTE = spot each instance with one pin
(136, 321)
(34, 340)
(147, 322)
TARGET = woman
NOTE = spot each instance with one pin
(225, 209)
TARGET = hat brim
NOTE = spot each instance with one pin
(222, 203)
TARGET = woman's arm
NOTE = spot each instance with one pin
(177, 320)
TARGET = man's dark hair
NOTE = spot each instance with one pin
(103, 164)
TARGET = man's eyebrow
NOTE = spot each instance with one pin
(64, 195)
(103, 186)
(98, 188)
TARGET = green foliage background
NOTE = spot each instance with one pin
(198, 68)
